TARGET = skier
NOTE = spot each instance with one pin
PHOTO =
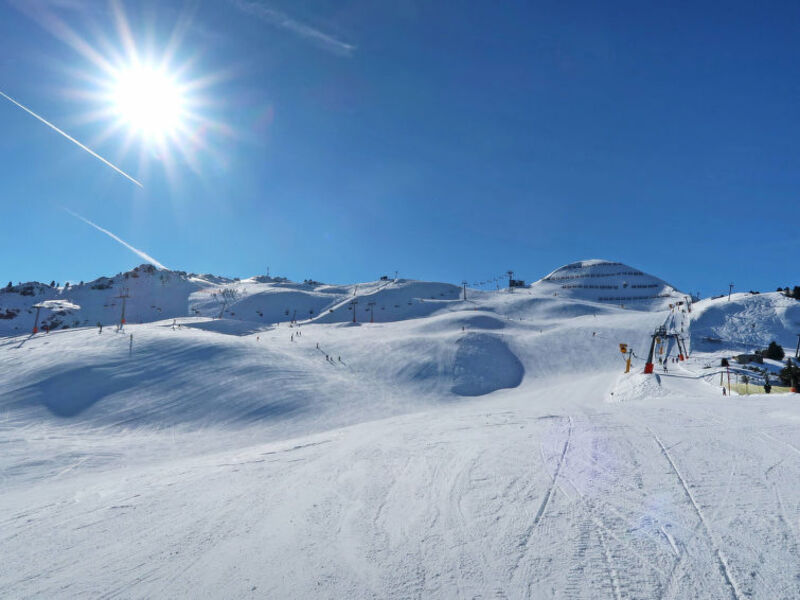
(724, 393)
(317, 345)
(340, 359)
(291, 339)
(100, 327)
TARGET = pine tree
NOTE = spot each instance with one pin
(774, 351)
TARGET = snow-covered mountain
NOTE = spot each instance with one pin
(610, 282)
(246, 438)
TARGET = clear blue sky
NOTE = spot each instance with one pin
(346, 139)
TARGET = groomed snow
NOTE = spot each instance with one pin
(460, 449)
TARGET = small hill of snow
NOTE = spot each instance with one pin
(609, 282)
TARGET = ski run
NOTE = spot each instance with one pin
(261, 438)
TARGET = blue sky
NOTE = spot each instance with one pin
(345, 140)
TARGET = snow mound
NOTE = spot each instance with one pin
(636, 386)
(609, 282)
(747, 322)
(480, 320)
(484, 363)
(225, 326)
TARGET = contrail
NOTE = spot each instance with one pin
(284, 21)
(141, 254)
(70, 138)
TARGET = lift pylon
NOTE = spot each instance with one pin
(660, 335)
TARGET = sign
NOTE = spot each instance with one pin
(623, 348)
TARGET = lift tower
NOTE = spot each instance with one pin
(661, 334)
(124, 296)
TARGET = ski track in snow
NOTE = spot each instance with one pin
(723, 561)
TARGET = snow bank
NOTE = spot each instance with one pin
(636, 386)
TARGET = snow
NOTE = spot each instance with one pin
(57, 305)
(747, 322)
(610, 282)
(487, 447)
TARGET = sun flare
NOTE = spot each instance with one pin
(149, 101)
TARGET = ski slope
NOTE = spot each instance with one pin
(487, 447)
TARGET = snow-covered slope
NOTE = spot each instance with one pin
(487, 447)
(746, 322)
(610, 282)
(154, 295)
(212, 371)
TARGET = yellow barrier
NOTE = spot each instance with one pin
(750, 388)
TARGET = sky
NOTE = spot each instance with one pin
(344, 140)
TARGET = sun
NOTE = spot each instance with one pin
(149, 90)
(149, 101)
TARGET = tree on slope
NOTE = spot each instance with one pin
(774, 351)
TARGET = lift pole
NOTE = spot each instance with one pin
(797, 352)
(730, 289)
(36, 321)
(371, 311)
(464, 285)
(353, 303)
(659, 334)
(124, 296)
